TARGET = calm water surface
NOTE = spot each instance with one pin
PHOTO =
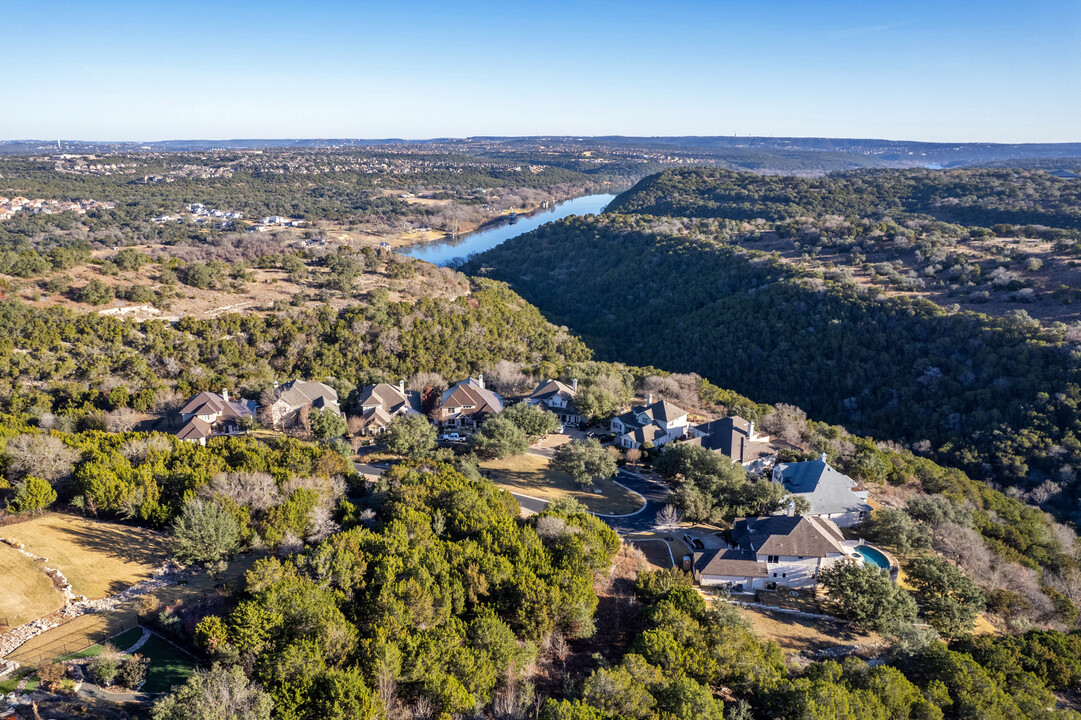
(443, 251)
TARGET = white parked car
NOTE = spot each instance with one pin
(452, 437)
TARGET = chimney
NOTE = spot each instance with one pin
(401, 386)
(225, 395)
(791, 509)
(750, 430)
(649, 400)
(275, 384)
(574, 384)
(480, 381)
(822, 457)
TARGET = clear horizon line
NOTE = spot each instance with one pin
(445, 138)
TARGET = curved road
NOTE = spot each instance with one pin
(654, 491)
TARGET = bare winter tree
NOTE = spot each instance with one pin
(256, 490)
(321, 524)
(668, 519)
(44, 456)
(507, 378)
(121, 420)
(423, 380)
(786, 422)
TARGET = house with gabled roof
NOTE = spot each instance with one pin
(381, 403)
(655, 422)
(735, 437)
(209, 415)
(467, 404)
(766, 553)
(292, 398)
(558, 398)
(831, 494)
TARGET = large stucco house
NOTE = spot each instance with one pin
(766, 553)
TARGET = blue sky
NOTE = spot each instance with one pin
(158, 69)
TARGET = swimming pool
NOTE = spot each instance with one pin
(873, 557)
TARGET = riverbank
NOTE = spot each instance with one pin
(498, 230)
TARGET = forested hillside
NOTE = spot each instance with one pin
(995, 396)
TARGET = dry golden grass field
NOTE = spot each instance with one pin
(98, 558)
(530, 475)
(26, 593)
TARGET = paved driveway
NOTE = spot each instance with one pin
(654, 491)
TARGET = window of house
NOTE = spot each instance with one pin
(784, 574)
(772, 558)
(774, 574)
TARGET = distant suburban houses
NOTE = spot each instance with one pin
(380, 404)
(297, 397)
(656, 423)
(558, 398)
(9, 207)
(831, 494)
(209, 415)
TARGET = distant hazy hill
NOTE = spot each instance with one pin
(750, 153)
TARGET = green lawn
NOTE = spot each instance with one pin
(169, 665)
(9, 685)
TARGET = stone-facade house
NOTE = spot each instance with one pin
(209, 415)
(292, 399)
(380, 404)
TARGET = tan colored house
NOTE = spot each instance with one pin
(210, 415)
(467, 404)
(380, 404)
(291, 399)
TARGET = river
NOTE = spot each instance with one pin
(442, 252)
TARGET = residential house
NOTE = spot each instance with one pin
(655, 422)
(296, 397)
(766, 553)
(558, 398)
(735, 437)
(209, 414)
(467, 404)
(380, 404)
(832, 494)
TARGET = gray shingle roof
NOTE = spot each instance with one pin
(828, 490)
(788, 535)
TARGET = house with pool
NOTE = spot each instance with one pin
(778, 551)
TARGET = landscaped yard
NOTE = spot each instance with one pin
(169, 665)
(530, 474)
(26, 593)
(98, 558)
